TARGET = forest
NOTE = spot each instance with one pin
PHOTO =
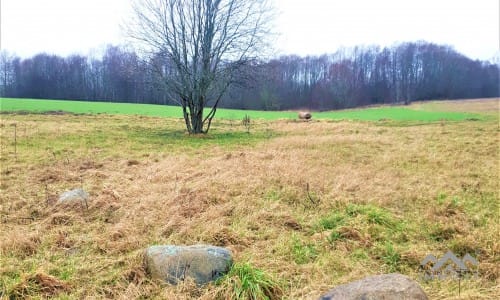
(350, 77)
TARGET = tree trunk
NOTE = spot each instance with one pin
(197, 121)
(186, 118)
(193, 115)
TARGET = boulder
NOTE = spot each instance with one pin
(74, 196)
(380, 287)
(203, 263)
(305, 115)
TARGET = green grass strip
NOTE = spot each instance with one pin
(367, 114)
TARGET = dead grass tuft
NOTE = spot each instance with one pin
(350, 233)
(136, 273)
(63, 240)
(39, 284)
(89, 165)
(61, 219)
(174, 225)
(18, 243)
(225, 237)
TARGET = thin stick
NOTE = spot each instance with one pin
(86, 203)
(314, 202)
(47, 194)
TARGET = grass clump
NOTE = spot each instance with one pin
(246, 282)
(360, 214)
(390, 257)
(373, 214)
(302, 252)
(332, 221)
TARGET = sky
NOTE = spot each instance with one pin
(304, 27)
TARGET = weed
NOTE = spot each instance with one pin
(302, 253)
(374, 214)
(272, 195)
(455, 202)
(246, 122)
(390, 257)
(335, 236)
(332, 221)
(441, 198)
(379, 216)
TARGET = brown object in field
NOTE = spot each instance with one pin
(305, 115)
(39, 284)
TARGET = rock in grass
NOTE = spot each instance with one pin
(384, 287)
(203, 263)
(74, 196)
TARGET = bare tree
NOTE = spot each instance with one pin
(202, 43)
(6, 72)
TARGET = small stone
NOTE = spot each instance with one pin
(74, 196)
(203, 263)
(380, 287)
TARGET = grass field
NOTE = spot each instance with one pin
(424, 112)
(309, 204)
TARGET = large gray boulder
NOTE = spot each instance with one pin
(203, 263)
(379, 287)
(74, 196)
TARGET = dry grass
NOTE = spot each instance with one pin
(489, 106)
(401, 192)
(39, 284)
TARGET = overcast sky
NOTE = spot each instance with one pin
(306, 27)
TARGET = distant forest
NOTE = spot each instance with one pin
(348, 78)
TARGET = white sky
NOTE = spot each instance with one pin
(65, 27)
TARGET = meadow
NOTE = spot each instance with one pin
(306, 205)
(421, 112)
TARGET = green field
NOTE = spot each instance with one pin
(397, 113)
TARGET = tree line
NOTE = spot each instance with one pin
(348, 78)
